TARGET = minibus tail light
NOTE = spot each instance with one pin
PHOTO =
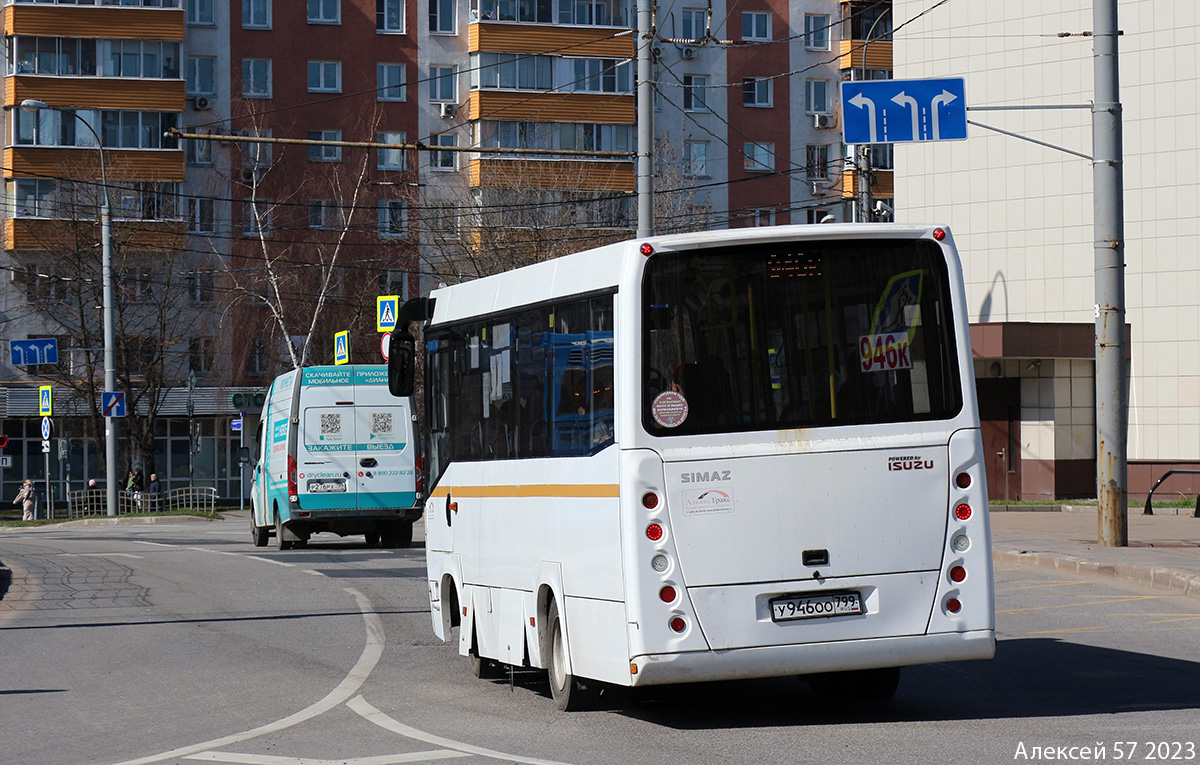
(962, 512)
(420, 482)
(939, 234)
(293, 492)
(654, 532)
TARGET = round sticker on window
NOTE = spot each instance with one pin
(669, 409)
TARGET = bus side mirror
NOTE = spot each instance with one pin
(402, 364)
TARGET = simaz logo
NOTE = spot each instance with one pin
(716, 475)
(909, 463)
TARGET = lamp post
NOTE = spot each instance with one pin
(33, 106)
(864, 159)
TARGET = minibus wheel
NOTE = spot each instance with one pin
(569, 693)
(260, 534)
(280, 544)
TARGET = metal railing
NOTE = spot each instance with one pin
(91, 502)
(1150, 511)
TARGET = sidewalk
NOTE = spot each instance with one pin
(1163, 552)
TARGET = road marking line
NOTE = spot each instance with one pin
(99, 555)
(1037, 586)
(370, 713)
(1067, 630)
(152, 544)
(314, 573)
(267, 759)
(1076, 605)
(1181, 619)
(344, 690)
(268, 560)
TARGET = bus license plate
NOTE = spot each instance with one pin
(816, 606)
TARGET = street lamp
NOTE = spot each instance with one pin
(32, 106)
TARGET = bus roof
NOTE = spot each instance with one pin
(600, 269)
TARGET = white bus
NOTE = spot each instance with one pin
(731, 454)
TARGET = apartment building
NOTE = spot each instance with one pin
(1022, 216)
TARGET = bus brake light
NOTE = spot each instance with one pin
(678, 624)
(649, 500)
(962, 512)
(953, 605)
(646, 249)
(939, 234)
(957, 574)
(654, 532)
(667, 594)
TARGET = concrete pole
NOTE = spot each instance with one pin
(645, 119)
(1112, 387)
(110, 367)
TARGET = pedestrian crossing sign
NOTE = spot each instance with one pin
(341, 348)
(45, 400)
(385, 312)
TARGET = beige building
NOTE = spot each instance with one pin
(1022, 217)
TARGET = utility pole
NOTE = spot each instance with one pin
(645, 119)
(1112, 386)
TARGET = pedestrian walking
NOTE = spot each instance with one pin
(25, 500)
(155, 488)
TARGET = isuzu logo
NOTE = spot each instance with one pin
(909, 463)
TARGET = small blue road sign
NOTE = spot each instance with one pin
(43, 350)
(113, 403)
(235, 425)
(341, 348)
(385, 312)
(45, 400)
(45, 428)
(900, 111)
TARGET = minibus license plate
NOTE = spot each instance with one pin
(816, 606)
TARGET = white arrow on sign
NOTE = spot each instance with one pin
(945, 98)
(906, 100)
(862, 102)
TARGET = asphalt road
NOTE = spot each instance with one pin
(183, 643)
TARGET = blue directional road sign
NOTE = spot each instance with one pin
(900, 111)
(43, 350)
(113, 403)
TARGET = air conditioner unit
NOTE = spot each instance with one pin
(823, 120)
(448, 111)
(689, 53)
(200, 103)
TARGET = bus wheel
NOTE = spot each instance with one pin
(280, 544)
(485, 669)
(879, 684)
(569, 693)
(260, 534)
(404, 534)
(372, 538)
(388, 537)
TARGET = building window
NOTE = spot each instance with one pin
(325, 153)
(137, 130)
(200, 355)
(693, 23)
(756, 25)
(324, 213)
(816, 31)
(200, 12)
(816, 96)
(391, 159)
(389, 16)
(817, 215)
(444, 160)
(756, 91)
(883, 156)
(759, 156)
(694, 95)
(394, 281)
(201, 215)
(443, 83)
(324, 76)
(389, 82)
(393, 218)
(616, 13)
(200, 76)
(816, 161)
(256, 77)
(441, 16)
(762, 216)
(198, 151)
(256, 217)
(256, 358)
(695, 158)
(256, 14)
(600, 75)
(510, 71)
(324, 11)
(200, 285)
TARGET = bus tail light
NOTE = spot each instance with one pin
(646, 249)
(293, 492)
(667, 594)
(649, 500)
(958, 574)
(963, 511)
(678, 624)
(939, 234)
(654, 532)
(953, 605)
(963, 480)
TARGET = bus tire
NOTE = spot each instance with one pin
(484, 669)
(404, 534)
(388, 538)
(372, 538)
(569, 693)
(280, 544)
(879, 684)
(260, 534)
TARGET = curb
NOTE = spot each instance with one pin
(1158, 578)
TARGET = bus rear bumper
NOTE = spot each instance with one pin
(809, 658)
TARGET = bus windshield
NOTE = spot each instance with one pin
(798, 335)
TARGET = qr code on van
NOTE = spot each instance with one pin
(381, 422)
(331, 424)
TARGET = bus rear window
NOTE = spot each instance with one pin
(795, 335)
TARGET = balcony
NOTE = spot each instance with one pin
(878, 54)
